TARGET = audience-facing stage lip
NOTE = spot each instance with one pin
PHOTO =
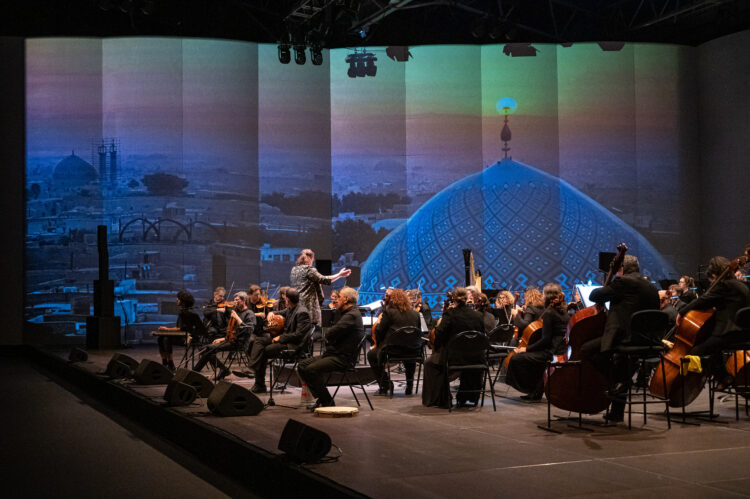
(403, 449)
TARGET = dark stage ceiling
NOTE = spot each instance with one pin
(347, 23)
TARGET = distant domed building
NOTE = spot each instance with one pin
(74, 171)
(525, 227)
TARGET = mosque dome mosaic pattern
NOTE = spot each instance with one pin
(525, 227)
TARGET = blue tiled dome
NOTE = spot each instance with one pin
(525, 227)
(73, 170)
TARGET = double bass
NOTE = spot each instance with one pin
(694, 329)
(579, 386)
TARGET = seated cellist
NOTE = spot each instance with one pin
(526, 368)
(727, 297)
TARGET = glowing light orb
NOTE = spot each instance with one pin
(506, 105)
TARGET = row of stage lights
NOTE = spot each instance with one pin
(285, 54)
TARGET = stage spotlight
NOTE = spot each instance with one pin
(370, 67)
(285, 55)
(611, 46)
(299, 54)
(352, 71)
(398, 53)
(360, 70)
(316, 55)
(519, 50)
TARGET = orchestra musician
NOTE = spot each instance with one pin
(456, 319)
(280, 305)
(666, 306)
(627, 293)
(505, 310)
(342, 348)
(296, 324)
(575, 304)
(482, 305)
(533, 306)
(214, 317)
(687, 289)
(245, 324)
(187, 321)
(526, 368)
(397, 313)
(727, 297)
(307, 280)
(415, 296)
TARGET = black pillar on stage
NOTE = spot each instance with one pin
(103, 328)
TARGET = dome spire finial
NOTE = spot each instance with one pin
(506, 106)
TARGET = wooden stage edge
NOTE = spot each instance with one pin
(265, 473)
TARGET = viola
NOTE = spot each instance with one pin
(694, 329)
(580, 387)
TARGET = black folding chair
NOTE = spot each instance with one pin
(345, 376)
(291, 356)
(405, 344)
(467, 351)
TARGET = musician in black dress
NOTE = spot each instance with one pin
(533, 306)
(482, 305)
(296, 324)
(456, 319)
(214, 317)
(727, 296)
(526, 367)
(187, 321)
(245, 324)
(342, 348)
(415, 296)
(627, 293)
(666, 305)
(397, 313)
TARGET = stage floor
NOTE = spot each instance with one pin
(404, 449)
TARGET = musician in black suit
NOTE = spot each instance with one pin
(245, 324)
(526, 367)
(628, 293)
(727, 296)
(187, 321)
(456, 319)
(297, 323)
(342, 347)
(666, 305)
(214, 318)
(396, 314)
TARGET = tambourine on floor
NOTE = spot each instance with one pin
(336, 412)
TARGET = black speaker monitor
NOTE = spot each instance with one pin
(179, 393)
(605, 259)
(115, 367)
(78, 355)
(304, 443)
(228, 399)
(152, 373)
(202, 385)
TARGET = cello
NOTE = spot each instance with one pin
(695, 328)
(575, 384)
(530, 335)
